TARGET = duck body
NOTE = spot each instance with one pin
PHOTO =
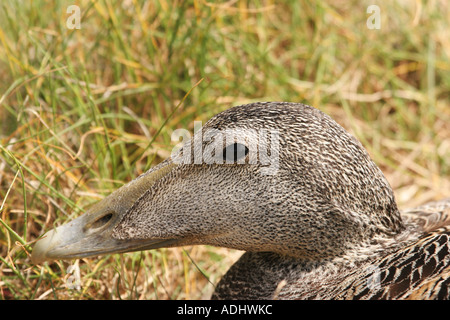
(315, 214)
(416, 268)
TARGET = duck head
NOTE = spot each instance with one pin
(277, 177)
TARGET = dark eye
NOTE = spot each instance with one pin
(234, 152)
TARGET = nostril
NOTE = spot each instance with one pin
(100, 222)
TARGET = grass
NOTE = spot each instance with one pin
(83, 111)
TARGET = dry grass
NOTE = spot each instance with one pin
(83, 111)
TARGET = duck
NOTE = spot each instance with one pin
(284, 182)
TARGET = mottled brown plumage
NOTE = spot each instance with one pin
(319, 221)
(413, 268)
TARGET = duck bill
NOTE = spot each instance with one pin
(71, 242)
(90, 234)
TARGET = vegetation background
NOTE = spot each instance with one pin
(82, 111)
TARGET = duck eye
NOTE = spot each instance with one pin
(234, 152)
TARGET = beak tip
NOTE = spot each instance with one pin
(42, 247)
